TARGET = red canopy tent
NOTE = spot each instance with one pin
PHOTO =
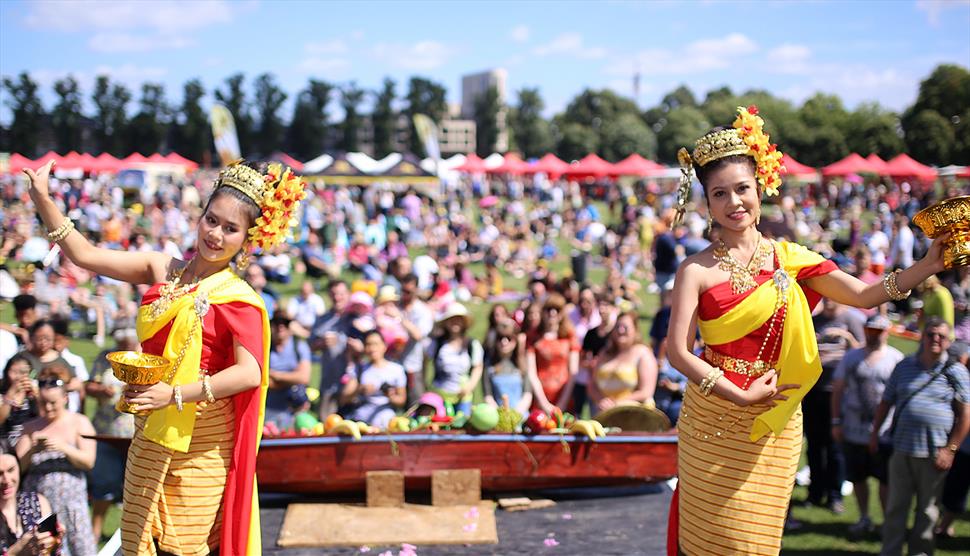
(473, 164)
(590, 166)
(550, 165)
(176, 158)
(852, 164)
(879, 164)
(965, 173)
(157, 157)
(72, 161)
(18, 162)
(905, 167)
(44, 158)
(511, 165)
(284, 159)
(636, 165)
(133, 158)
(105, 163)
(796, 168)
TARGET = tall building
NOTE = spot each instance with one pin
(475, 85)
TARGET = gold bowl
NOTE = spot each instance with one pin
(950, 216)
(137, 368)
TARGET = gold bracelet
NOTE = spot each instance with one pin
(892, 290)
(177, 394)
(62, 231)
(707, 385)
(207, 389)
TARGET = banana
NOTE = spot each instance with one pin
(584, 427)
(600, 431)
(347, 427)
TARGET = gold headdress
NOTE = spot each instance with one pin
(278, 195)
(746, 138)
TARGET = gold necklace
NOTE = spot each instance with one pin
(742, 276)
(169, 292)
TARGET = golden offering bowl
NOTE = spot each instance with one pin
(137, 368)
(953, 216)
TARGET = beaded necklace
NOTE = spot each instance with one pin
(742, 276)
(169, 292)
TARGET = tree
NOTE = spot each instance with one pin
(819, 146)
(626, 135)
(111, 116)
(930, 137)
(488, 109)
(961, 149)
(823, 110)
(682, 128)
(308, 128)
(529, 129)
(28, 114)
(192, 126)
(66, 116)
(574, 140)
(871, 129)
(148, 128)
(384, 120)
(269, 100)
(593, 108)
(428, 98)
(680, 97)
(946, 90)
(234, 98)
(350, 98)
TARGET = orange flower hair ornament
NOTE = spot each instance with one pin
(766, 155)
(278, 195)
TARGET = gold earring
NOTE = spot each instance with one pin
(710, 224)
(757, 220)
(243, 260)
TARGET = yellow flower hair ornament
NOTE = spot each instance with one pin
(767, 157)
(280, 206)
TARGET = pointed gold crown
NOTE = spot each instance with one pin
(245, 179)
(720, 144)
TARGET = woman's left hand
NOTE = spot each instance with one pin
(934, 257)
(149, 397)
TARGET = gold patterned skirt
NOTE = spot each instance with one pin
(734, 493)
(172, 498)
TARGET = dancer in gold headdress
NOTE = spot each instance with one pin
(740, 427)
(190, 484)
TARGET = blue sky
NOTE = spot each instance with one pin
(862, 51)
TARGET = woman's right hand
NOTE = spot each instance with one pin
(33, 543)
(40, 180)
(766, 389)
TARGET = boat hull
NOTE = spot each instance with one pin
(329, 464)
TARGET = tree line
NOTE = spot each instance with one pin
(934, 130)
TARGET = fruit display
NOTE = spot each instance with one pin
(484, 417)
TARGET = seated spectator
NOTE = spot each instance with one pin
(106, 480)
(553, 358)
(305, 308)
(376, 388)
(626, 370)
(62, 343)
(455, 358)
(54, 455)
(41, 349)
(289, 372)
(504, 379)
(19, 399)
(25, 509)
(314, 257)
(388, 318)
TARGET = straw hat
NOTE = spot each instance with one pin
(387, 293)
(454, 309)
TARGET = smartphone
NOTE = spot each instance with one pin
(48, 524)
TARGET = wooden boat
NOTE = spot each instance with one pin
(508, 462)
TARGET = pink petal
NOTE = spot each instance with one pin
(386, 553)
(406, 546)
(470, 527)
(550, 542)
(364, 549)
(567, 517)
(472, 513)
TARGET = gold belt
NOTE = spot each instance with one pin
(730, 364)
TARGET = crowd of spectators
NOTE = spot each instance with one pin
(387, 284)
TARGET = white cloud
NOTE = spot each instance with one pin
(696, 57)
(161, 16)
(570, 44)
(420, 56)
(934, 8)
(131, 73)
(335, 46)
(124, 42)
(519, 33)
(790, 58)
(323, 66)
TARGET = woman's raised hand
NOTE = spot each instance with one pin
(934, 256)
(40, 179)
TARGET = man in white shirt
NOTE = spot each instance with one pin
(305, 308)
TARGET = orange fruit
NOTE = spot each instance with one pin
(332, 421)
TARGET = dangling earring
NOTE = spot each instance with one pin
(710, 224)
(757, 219)
(243, 260)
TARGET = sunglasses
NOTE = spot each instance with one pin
(50, 383)
(934, 335)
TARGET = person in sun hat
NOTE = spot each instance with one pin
(456, 359)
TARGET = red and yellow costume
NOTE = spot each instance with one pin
(190, 481)
(737, 465)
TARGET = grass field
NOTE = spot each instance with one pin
(824, 533)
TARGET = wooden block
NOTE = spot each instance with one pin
(385, 489)
(532, 505)
(506, 503)
(456, 487)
